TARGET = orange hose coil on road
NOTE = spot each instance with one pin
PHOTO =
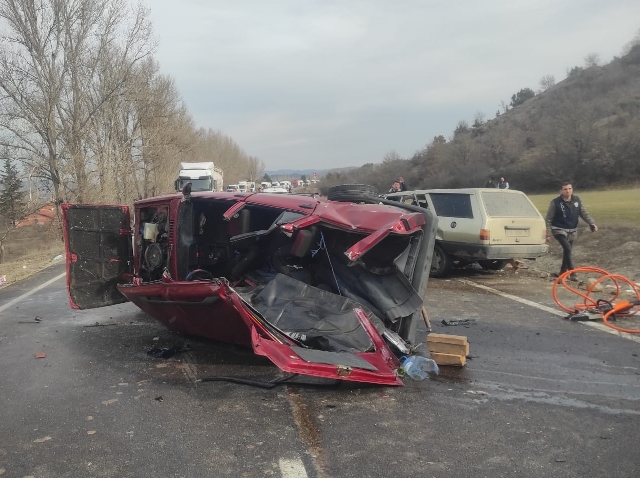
(623, 308)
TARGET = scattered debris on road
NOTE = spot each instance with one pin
(455, 322)
(168, 352)
(98, 324)
(36, 320)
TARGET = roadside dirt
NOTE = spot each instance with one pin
(28, 250)
(614, 249)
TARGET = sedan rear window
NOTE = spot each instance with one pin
(500, 204)
(452, 205)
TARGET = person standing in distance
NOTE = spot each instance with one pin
(562, 223)
(503, 184)
(395, 187)
(403, 186)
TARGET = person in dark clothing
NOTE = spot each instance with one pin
(395, 188)
(562, 223)
(503, 184)
(403, 186)
(490, 184)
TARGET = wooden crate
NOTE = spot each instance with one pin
(448, 349)
(449, 359)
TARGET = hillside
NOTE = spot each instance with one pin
(583, 128)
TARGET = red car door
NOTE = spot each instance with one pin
(99, 253)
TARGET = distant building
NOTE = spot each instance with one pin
(43, 216)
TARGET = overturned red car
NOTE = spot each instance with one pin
(330, 288)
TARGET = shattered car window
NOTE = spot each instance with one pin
(287, 217)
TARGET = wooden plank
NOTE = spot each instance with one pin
(449, 359)
(447, 339)
(426, 319)
(443, 348)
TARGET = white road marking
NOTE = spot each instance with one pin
(32, 291)
(588, 323)
(292, 468)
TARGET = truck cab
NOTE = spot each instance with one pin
(203, 176)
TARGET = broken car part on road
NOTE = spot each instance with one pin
(592, 309)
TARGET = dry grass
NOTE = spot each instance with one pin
(616, 245)
(28, 250)
(619, 207)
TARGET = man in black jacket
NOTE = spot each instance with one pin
(562, 222)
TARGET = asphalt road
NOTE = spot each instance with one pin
(541, 397)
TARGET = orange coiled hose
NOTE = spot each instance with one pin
(622, 308)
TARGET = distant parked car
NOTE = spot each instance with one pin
(487, 226)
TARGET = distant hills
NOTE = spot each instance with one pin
(584, 128)
(296, 173)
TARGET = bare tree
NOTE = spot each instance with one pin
(60, 64)
(478, 119)
(391, 156)
(255, 168)
(547, 82)
(592, 59)
(224, 152)
(140, 137)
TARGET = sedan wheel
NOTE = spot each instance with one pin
(440, 263)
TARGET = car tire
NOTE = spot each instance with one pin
(440, 263)
(352, 193)
(493, 264)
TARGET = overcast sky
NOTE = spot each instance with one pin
(333, 83)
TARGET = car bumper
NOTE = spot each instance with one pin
(477, 252)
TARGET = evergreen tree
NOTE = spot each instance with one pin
(11, 197)
(521, 96)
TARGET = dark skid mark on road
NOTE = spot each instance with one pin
(309, 431)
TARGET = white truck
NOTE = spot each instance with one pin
(202, 176)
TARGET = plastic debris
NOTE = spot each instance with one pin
(417, 367)
(40, 355)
